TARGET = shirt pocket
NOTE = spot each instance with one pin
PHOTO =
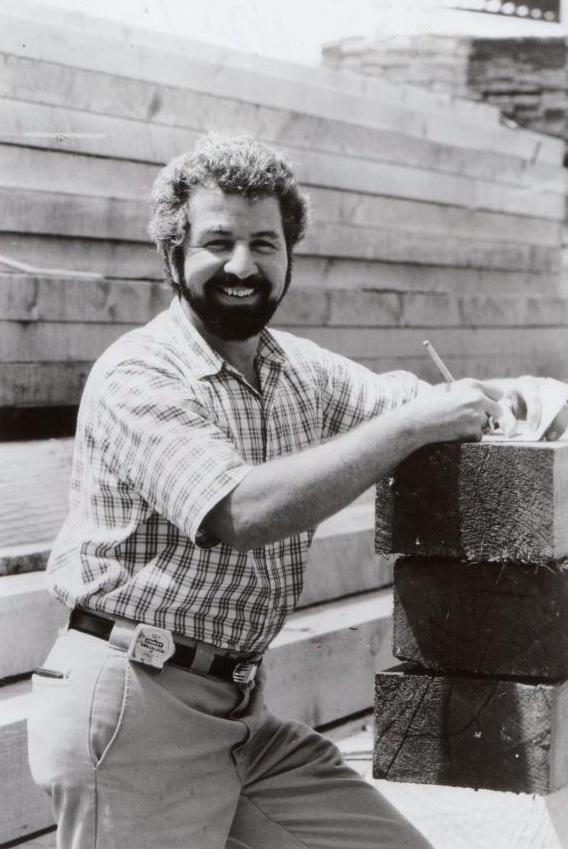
(108, 706)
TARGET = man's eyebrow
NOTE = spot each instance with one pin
(216, 229)
(270, 234)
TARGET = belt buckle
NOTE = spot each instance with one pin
(245, 672)
(151, 646)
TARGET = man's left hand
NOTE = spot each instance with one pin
(527, 396)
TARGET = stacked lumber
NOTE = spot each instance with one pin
(418, 200)
(481, 697)
(526, 78)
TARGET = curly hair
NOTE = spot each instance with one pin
(238, 165)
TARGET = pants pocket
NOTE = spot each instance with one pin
(108, 706)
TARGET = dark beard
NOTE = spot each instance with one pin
(233, 322)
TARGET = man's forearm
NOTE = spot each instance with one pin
(290, 494)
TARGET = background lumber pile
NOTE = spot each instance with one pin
(428, 218)
(481, 700)
(526, 78)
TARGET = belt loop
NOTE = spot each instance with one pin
(203, 659)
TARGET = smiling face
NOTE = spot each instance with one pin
(235, 262)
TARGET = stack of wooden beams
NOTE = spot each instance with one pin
(481, 606)
(427, 212)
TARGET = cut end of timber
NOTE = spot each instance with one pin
(479, 502)
(469, 731)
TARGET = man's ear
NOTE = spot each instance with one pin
(175, 262)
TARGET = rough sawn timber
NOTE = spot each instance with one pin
(486, 501)
(478, 731)
(485, 618)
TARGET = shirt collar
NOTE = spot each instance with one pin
(204, 360)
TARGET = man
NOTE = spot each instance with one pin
(208, 448)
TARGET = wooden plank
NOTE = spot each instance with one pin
(31, 84)
(51, 170)
(75, 216)
(140, 261)
(343, 560)
(29, 623)
(126, 219)
(344, 308)
(34, 484)
(24, 807)
(358, 274)
(489, 732)
(379, 89)
(400, 214)
(488, 501)
(541, 346)
(21, 164)
(42, 384)
(64, 342)
(19, 559)
(44, 299)
(51, 43)
(451, 616)
(328, 646)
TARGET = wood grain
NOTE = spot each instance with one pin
(34, 484)
(451, 616)
(65, 215)
(379, 89)
(41, 41)
(488, 501)
(488, 732)
(313, 168)
(43, 299)
(168, 121)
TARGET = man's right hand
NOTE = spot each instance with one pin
(454, 411)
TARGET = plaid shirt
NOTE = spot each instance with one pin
(166, 429)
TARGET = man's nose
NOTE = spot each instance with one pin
(241, 262)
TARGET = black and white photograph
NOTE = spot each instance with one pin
(284, 424)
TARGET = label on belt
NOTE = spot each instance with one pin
(151, 646)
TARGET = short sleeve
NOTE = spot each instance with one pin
(158, 439)
(354, 394)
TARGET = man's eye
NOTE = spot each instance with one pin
(218, 245)
(264, 246)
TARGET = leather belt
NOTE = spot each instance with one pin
(238, 670)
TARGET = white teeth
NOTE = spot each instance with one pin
(238, 293)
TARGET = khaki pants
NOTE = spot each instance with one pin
(137, 759)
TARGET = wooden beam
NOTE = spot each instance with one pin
(342, 641)
(451, 616)
(526, 240)
(34, 489)
(135, 120)
(379, 89)
(50, 43)
(92, 159)
(488, 501)
(65, 215)
(499, 734)
(45, 299)
(22, 342)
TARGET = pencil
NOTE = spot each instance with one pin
(438, 362)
